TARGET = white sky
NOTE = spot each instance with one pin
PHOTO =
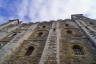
(56, 9)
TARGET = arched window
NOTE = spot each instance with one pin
(69, 31)
(12, 35)
(66, 25)
(29, 51)
(78, 50)
(40, 34)
(43, 26)
(91, 23)
(54, 29)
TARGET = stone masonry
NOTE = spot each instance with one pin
(69, 41)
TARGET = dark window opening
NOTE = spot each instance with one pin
(66, 25)
(54, 29)
(69, 31)
(78, 50)
(29, 51)
(91, 23)
(40, 34)
(12, 35)
(44, 26)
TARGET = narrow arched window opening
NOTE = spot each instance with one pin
(12, 35)
(69, 31)
(29, 51)
(54, 29)
(78, 50)
(43, 26)
(40, 34)
(91, 23)
(66, 25)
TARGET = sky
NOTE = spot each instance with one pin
(45, 10)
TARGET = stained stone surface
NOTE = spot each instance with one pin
(52, 41)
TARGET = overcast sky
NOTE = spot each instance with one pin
(40, 10)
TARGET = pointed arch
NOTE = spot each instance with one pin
(69, 31)
(29, 51)
(44, 26)
(40, 34)
(78, 50)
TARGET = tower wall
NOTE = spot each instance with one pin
(69, 41)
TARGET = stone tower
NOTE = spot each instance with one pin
(69, 41)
